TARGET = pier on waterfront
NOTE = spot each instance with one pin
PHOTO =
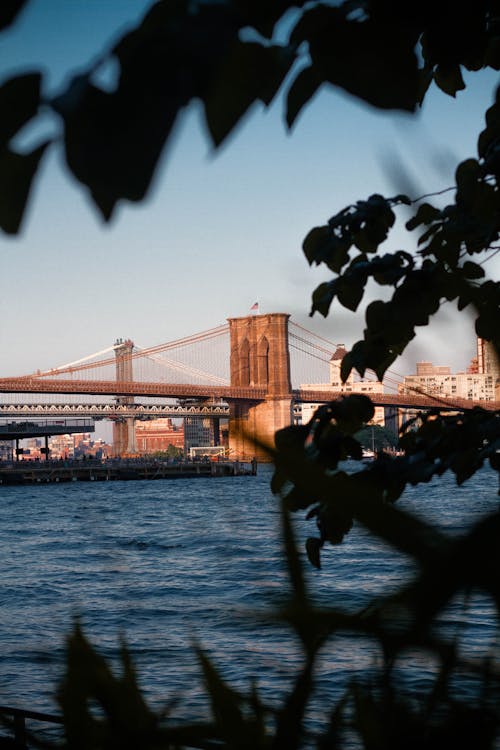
(43, 472)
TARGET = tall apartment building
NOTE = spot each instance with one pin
(477, 383)
(366, 387)
(487, 359)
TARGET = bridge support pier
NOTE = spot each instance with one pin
(259, 357)
(249, 422)
(124, 441)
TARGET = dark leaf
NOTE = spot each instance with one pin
(16, 177)
(449, 79)
(352, 412)
(9, 10)
(347, 366)
(123, 720)
(322, 245)
(332, 524)
(467, 177)
(303, 88)
(113, 145)
(426, 214)
(472, 270)
(373, 61)
(313, 549)
(316, 244)
(19, 101)
(278, 481)
(248, 73)
(403, 199)
(490, 136)
(290, 718)
(293, 560)
(296, 500)
(225, 706)
(349, 293)
(322, 298)
(114, 140)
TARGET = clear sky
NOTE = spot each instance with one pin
(219, 231)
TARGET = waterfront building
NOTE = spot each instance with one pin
(6, 450)
(157, 435)
(200, 432)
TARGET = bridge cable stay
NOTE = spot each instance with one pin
(325, 352)
(397, 379)
(79, 361)
(193, 371)
(305, 351)
(186, 341)
(389, 381)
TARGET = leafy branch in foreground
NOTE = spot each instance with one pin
(310, 473)
(228, 55)
(440, 270)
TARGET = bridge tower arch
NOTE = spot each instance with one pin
(259, 357)
(124, 432)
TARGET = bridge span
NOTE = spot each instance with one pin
(205, 393)
(400, 401)
(258, 400)
(34, 384)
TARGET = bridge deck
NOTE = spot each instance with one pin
(33, 384)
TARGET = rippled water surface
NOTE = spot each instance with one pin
(165, 562)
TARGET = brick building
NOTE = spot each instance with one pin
(157, 435)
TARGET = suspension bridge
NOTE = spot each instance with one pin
(253, 370)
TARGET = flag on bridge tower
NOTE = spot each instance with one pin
(255, 307)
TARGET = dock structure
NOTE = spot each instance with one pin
(43, 472)
(45, 428)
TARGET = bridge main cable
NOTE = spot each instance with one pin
(186, 341)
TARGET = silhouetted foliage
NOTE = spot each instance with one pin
(388, 54)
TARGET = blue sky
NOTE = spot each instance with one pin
(219, 230)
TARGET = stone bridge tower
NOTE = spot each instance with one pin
(259, 357)
(124, 431)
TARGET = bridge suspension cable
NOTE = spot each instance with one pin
(78, 361)
(179, 366)
(298, 348)
(136, 353)
(392, 379)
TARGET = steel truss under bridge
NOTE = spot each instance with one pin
(113, 411)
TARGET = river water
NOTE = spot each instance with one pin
(164, 562)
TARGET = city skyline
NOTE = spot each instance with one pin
(219, 230)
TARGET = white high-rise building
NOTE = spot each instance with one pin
(478, 383)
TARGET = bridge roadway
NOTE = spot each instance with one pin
(133, 388)
(33, 384)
